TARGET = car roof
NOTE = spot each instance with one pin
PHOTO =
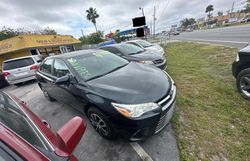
(72, 54)
(23, 57)
(113, 45)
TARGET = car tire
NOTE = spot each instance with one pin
(18, 84)
(46, 94)
(101, 124)
(243, 83)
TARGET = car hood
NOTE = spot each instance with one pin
(134, 83)
(245, 51)
(146, 55)
(155, 48)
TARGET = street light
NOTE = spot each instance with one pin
(140, 8)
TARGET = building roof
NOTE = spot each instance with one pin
(32, 41)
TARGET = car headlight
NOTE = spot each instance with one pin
(237, 57)
(147, 62)
(134, 110)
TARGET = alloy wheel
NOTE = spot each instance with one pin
(99, 124)
(245, 85)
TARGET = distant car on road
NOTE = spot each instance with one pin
(241, 71)
(119, 97)
(135, 53)
(148, 46)
(246, 19)
(19, 70)
(23, 136)
(175, 33)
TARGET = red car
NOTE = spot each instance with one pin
(23, 136)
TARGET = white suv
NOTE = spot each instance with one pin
(22, 69)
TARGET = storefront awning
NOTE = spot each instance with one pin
(33, 41)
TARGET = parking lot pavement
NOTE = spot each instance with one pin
(160, 147)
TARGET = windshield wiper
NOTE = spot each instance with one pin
(137, 52)
(98, 76)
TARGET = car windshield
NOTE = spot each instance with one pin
(19, 63)
(144, 43)
(130, 49)
(97, 64)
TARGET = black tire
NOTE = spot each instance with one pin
(104, 127)
(18, 84)
(243, 83)
(46, 94)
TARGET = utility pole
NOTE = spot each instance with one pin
(232, 7)
(141, 10)
(151, 29)
(82, 32)
(154, 21)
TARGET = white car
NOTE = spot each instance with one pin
(22, 69)
(148, 46)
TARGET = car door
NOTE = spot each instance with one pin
(45, 77)
(68, 92)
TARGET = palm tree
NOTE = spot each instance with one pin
(209, 9)
(92, 16)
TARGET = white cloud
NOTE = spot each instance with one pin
(69, 16)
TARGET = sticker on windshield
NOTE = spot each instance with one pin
(79, 68)
(100, 53)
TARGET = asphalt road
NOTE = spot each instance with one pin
(160, 147)
(235, 36)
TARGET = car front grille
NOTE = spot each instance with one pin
(168, 105)
(162, 122)
(158, 61)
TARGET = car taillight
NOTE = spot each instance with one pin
(34, 67)
(5, 74)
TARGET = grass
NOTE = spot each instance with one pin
(212, 121)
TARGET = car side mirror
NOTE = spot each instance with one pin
(70, 135)
(63, 80)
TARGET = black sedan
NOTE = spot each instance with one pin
(241, 71)
(131, 99)
(134, 53)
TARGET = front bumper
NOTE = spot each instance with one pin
(149, 124)
(162, 66)
(235, 67)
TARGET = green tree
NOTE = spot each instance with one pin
(48, 31)
(187, 22)
(247, 7)
(93, 38)
(208, 10)
(220, 13)
(92, 15)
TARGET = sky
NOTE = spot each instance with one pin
(69, 16)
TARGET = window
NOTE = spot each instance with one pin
(93, 65)
(18, 63)
(46, 67)
(113, 50)
(130, 49)
(12, 117)
(60, 68)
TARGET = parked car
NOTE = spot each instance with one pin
(246, 19)
(148, 46)
(19, 70)
(241, 71)
(23, 136)
(120, 98)
(134, 53)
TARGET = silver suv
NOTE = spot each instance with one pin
(22, 69)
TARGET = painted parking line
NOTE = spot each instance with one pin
(222, 41)
(141, 152)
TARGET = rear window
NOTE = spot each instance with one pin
(18, 63)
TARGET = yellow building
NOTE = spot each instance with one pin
(43, 45)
